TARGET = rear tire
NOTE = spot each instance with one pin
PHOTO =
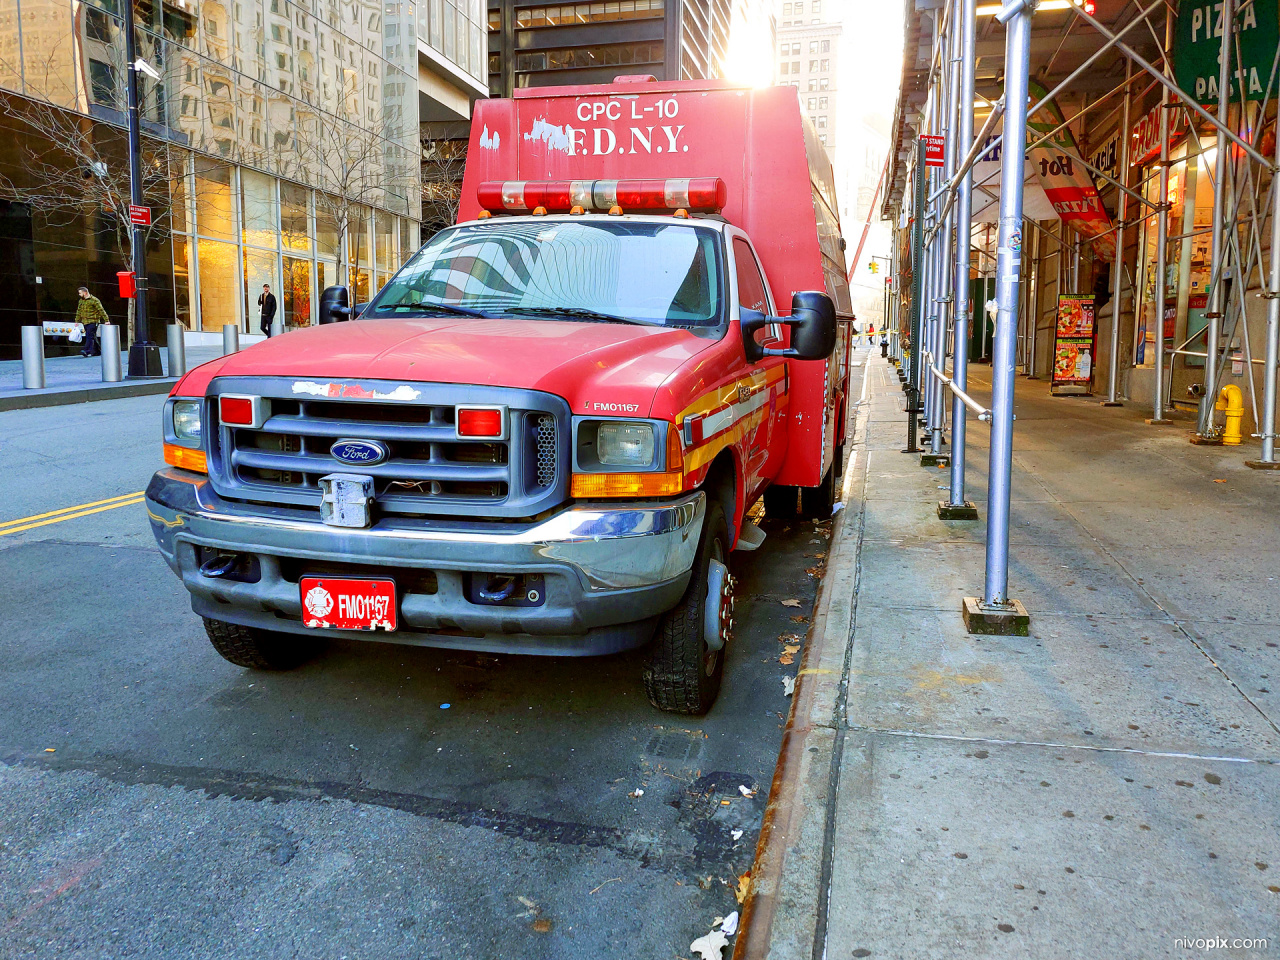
(816, 503)
(683, 674)
(254, 648)
(780, 502)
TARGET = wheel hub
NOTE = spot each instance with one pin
(718, 608)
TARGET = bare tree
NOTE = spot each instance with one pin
(354, 170)
(77, 167)
(443, 163)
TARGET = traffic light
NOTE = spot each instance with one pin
(873, 267)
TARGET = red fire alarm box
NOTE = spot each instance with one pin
(128, 288)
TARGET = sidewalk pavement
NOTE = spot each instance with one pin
(78, 379)
(1100, 788)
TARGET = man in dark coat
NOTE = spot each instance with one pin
(267, 301)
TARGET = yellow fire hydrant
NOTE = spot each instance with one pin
(1231, 400)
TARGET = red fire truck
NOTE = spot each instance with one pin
(544, 433)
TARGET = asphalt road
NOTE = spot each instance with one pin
(381, 801)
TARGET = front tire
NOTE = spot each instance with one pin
(254, 648)
(684, 673)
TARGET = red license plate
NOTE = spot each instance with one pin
(344, 604)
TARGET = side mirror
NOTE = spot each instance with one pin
(812, 323)
(333, 305)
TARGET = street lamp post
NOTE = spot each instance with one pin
(144, 356)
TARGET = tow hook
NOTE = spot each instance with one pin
(219, 566)
(498, 589)
(718, 608)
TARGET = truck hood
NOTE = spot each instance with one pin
(596, 367)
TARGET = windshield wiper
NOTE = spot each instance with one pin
(581, 313)
(436, 308)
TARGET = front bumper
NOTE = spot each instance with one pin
(608, 569)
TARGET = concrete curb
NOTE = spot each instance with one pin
(785, 912)
(61, 396)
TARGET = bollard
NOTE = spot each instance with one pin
(230, 339)
(109, 340)
(33, 358)
(177, 349)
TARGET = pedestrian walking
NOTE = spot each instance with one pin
(90, 313)
(267, 301)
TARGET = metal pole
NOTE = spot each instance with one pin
(230, 338)
(109, 341)
(917, 301)
(1268, 432)
(995, 598)
(1217, 256)
(1033, 305)
(1122, 211)
(33, 357)
(1162, 255)
(177, 349)
(956, 507)
(144, 356)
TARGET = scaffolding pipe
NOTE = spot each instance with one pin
(1122, 211)
(1217, 254)
(964, 227)
(1033, 304)
(917, 301)
(1162, 252)
(1016, 16)
(1268, 424)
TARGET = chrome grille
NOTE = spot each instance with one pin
(429, 470)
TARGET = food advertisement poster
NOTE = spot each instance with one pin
(1074, 344)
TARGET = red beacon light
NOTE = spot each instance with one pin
(701, 194)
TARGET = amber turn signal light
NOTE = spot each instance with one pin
(184, 458)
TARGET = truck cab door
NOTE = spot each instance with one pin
(765, 444)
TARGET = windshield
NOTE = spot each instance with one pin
(651, 273)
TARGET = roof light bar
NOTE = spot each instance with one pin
(703, 194)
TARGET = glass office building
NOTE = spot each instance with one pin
(281, 146)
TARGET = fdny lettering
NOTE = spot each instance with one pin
(615, 407)
(603, 140)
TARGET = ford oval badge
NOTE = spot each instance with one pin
(359, 453)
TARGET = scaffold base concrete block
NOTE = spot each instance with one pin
(935, 460)
(1161, 422)
(1263, 464)
(1009, 621)
(951, 511)
(1200, 441)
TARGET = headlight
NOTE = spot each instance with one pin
(625, 444)
(186, 421)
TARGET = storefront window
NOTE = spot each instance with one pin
(259, 268)
(218, 296)
(295, 234)
(358, 237)
(384, 239)
(261, 222)
(215, 216)
(182, 282)
(326, 228)
(296, 294)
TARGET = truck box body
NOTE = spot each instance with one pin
(779, 182)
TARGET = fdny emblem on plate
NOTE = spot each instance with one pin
(360, 453)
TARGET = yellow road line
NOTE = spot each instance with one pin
(57, 516)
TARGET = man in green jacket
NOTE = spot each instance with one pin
(90, 312)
